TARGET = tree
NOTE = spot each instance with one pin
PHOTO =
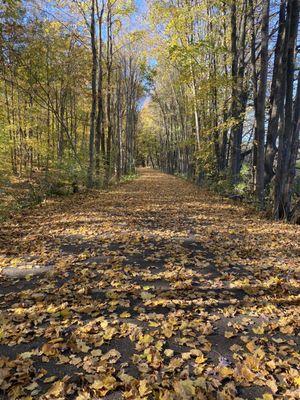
(261, 104)
(289, 130)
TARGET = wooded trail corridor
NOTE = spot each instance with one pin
(155, 289)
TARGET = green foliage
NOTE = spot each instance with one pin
(129, 177)
(244, 185)
(221, 185)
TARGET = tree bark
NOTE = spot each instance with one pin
(90, 175)
(100, 134)
(282, 193)
(261, 103)
(276, 98)
(108, 94)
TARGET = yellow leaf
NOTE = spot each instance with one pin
(225, 372)
(75, 360)
(268, 396)
(147, 296)
(251, 346)
(259, 330)
(167, 331)
(169, 352)
(229, 334)
(96, 353)
(271, 364)
(297, 380)
(200, 359)
(186, 356)
(235, 347)
(82, 346)
(144, 388)
(260, 353)
(26, 355)
(125, 315)
(196, 352)
(97, 384)
(50, 379)
(185, 389)
(112, 356)
(127, 379)
(154, 324)
(33, 386)
(48, 349)
(109, 333)
(104, 324)
(65, 313)
(272, 385)
(83, 396)
(56, 389)
(107, 383)
(159, 345)
(244, 374)
(145, 339)
(288, 330)
(175, 363)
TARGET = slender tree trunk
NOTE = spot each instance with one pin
(261, 103)
(108, 94)
(239, 89)
(90, 175)
(235, 132)
(254, 86)
(119, 126)
(100, 133)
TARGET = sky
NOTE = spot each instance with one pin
(52, 11)
(138, 17)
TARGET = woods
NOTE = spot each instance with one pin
(206, 90)
(225, 91)
(70, 86)
(149, 199)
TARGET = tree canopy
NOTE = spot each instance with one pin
(205, 89)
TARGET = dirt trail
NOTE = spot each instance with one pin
(153, 290)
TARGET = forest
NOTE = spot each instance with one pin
(205, 90)
(71, 81)
(149, 199)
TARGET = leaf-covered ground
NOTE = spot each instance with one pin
(154, 290)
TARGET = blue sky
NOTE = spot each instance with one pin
(137, 17)
(51, 11)
(141, 5)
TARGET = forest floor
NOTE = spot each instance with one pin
(155, 289)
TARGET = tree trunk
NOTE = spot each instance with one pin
(261, 103)
(239, 94)
(108, 95)
(90, 175)
(276, 97)
(282, 195)
(99, 139)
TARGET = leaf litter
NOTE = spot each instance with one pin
(157, 290)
